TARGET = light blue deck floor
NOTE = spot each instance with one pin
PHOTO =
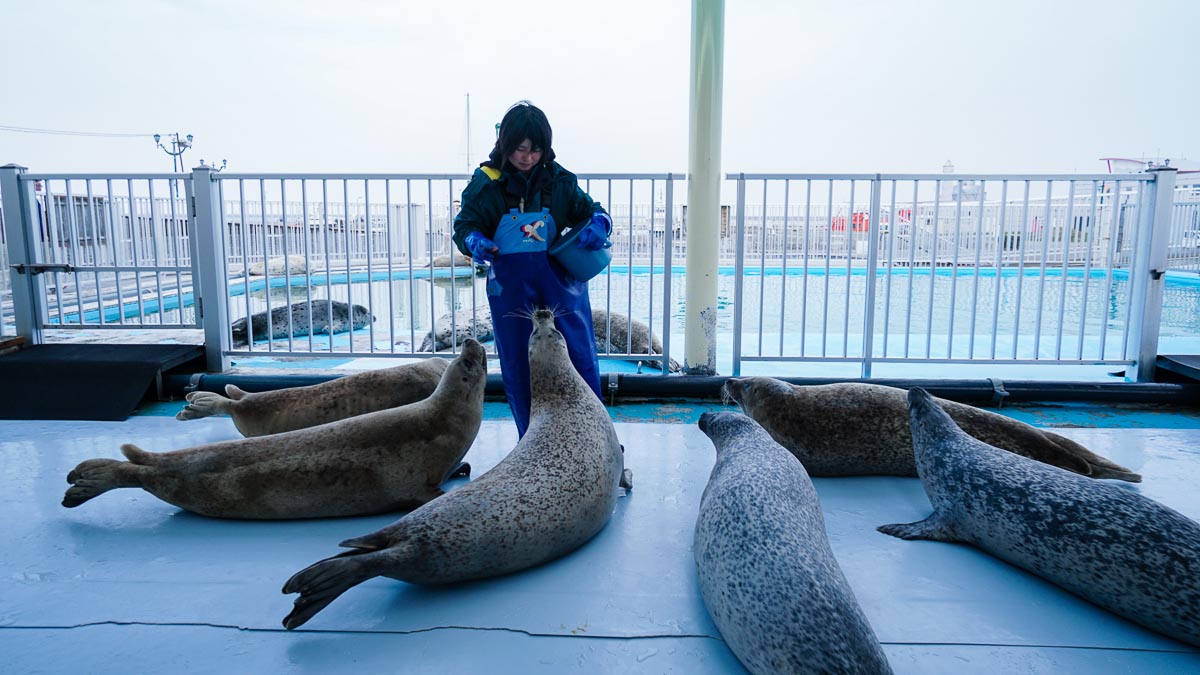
(129, 584)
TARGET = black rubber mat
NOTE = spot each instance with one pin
(85, 382)
(1187, 365)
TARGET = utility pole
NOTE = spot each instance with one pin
(178, 147)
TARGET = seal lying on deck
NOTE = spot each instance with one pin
(453, 330)
(273, 412)
(855, 428)
(294, 320)
(618, 334)
(382, 461)
(1112, 546)
(767, 575)
(550, 495)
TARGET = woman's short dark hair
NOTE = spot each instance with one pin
(523, 120)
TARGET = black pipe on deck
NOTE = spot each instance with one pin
(980, 392)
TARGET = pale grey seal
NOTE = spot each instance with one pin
(273, 412)
(318, 317)
(550, 495)
(450, 330)
(767, 575)
(856, 428)
(373, 463)
(618, 334)
(1112, 546)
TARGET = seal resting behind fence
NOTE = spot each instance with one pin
(451, 330)
(766, 573)
(549, 496)
(382, 461)
(856, 428)
(273, 412)
(1111, 546)
(321, 317)
(618, 334)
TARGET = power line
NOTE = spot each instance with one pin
(62, 132)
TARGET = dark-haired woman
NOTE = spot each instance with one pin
(517, 203)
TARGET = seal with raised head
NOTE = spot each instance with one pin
(618, 334)
(316, 317)
(550, 495)
(766, 572)
(1112, 546)
(856, 428)
(382, 461)
(273, 412)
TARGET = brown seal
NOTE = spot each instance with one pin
(856, 428)
(273, 412)
(550, 495)
(382, 461)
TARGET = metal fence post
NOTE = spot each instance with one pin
(873, 230)
(207, 232)
(20, 228)
(1149, 267)
(739, 268)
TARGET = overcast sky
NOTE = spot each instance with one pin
(850, 85)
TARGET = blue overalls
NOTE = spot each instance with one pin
(524, 278)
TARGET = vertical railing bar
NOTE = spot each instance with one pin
(1142, 190)
(608, 197)
(96, 251)
(349, 266)
(937, 217)
(325, 243)
(912, 263)
(453, 269)
(1037, 330)
(72, 250)
(762, 266)
(804, 276)
(287, 270)
(849, 271)
(978, 246)
(783, 273)
(245, 263)
(1114, 223)
(370, 268)
(1021, 269)
(887, 301)
(304, 233)
(112, 245)
(158, 290)
(825, 299)
(135, 232)
(391, 254)
(173, 189)
(193, 259)
(266, 252)
(1087, 272)
(432, 286)
(868, 347)
(668, 260)
(629, 284)
(958, 200)
(739, 263)
(1067, 230)
(1000, 232)
(412, 289)
(650, 305)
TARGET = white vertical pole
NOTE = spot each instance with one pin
(211, 301)
(704, 187)
(1149, 267)
(21, 230)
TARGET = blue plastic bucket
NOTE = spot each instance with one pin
(580, 262)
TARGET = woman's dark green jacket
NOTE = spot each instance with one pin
(492, 193)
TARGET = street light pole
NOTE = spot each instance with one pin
(178, 147)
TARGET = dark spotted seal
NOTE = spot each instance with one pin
(767, 575)
(374, 463)
(273, 412)
(449, 331)
(618, 334)
(315, 317)
(1112, 546)
(550, 495)
(854, 428)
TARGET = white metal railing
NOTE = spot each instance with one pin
(864, 268)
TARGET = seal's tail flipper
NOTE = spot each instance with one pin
(206, 404)
(1100, 467)
(94, 477)
(233, 392)
(321, 583)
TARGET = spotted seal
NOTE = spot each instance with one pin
(273, 412)
(450, 330)
(618, 334)
(316, 317)
(373, 463)
(1111, 546)
(550, 495)
(767, 575)
(855, 428)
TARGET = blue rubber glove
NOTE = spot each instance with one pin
(595, 233)
(482, 249)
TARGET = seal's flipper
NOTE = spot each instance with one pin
(626, 479)
(462, 470)
(321, 583)
(205, 404)
(94, 477)
(368, 542)
(137, 455)
(1099, 467)
(233, 392)
(933, 528)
